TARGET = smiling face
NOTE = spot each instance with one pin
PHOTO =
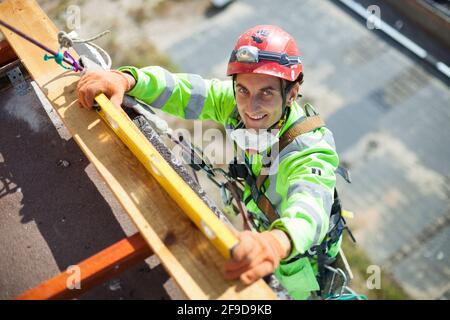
(259, 99)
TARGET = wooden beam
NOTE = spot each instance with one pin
(93, 271)
(180, 192)
(183, 250)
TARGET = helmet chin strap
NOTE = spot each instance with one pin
(285, 108)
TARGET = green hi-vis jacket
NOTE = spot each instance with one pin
(302, 195)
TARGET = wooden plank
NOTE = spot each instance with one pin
(93, 271)
(182, 249)
(194, 207)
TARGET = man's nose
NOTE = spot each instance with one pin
(254, 105)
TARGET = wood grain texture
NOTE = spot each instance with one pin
(182, 249)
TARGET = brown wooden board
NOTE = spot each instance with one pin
(194, 264)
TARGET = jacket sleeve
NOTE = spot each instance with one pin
(184, 95)
(305, 181)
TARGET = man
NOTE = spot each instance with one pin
(266, 75)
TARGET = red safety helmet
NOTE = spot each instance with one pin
(266, 49)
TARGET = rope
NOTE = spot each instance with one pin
(65, 41)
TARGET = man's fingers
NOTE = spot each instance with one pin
(83, 91)
(111, 83)
(88, 77)
(231, 266)
(243, 248)
(81, 101)
(117, 99)
(252, 259)
(85, 84)
(90, 94)
(246, 255)
(233, 274)
(249, 273)
(256, 273)
(234, 270)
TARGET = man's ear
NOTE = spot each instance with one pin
(293, 93)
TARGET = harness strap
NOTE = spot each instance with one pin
(301, 126)
(235, 192)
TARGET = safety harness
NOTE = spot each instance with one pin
(242, 171)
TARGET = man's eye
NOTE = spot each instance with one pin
(267, 92)
(242, 90)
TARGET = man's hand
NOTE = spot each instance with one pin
(113, 84)
(257, 255)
